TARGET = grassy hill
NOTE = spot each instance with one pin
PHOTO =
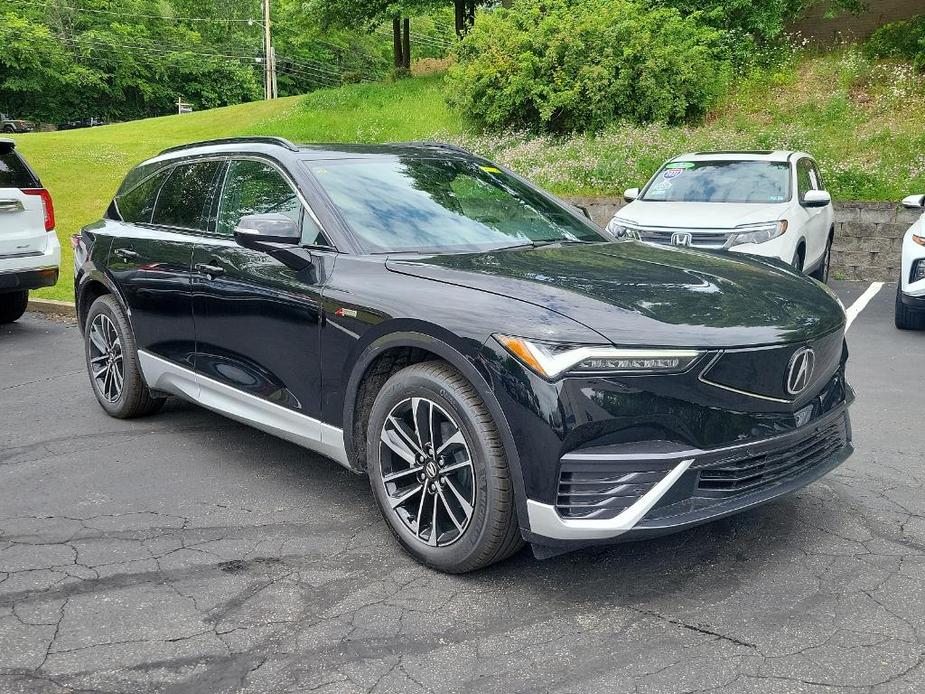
(862, 120)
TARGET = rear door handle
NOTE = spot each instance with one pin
(209, 271)
(125, 253)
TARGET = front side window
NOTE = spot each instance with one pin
(437, 205)
(720, 181)
(185, 199)
(255, 187)
(806, 177)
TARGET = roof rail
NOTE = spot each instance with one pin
(254, 139)
(736, 151)
(434, 144)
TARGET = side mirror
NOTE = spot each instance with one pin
(914, 202)
(277, 236)
(254, 230)
(584, 211)
(630, 194)
(817, 198)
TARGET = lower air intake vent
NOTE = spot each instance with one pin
(601, 493)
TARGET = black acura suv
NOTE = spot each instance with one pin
(501, 370)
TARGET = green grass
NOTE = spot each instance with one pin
(862, 120)
(83, 168)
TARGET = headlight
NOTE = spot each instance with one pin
(757, 233)
(621, 229)
(551, 360)
(918, 239)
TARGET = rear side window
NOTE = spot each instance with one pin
(185, 199)
(137, 204)
(14, 173)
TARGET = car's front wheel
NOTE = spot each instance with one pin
(112, 362)
(905, 318)
(438, 470)
(13, 305)
(821, 273)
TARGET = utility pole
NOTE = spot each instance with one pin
(273, 71)
(269, 64)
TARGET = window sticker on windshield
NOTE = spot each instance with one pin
(661, 185)
(680, 165)
(490, 169)
(671, 173)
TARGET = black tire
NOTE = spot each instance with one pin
(491, 532)
(799, 259)
(821, 273)
(13, 305)
(907, 319)
(134, 399)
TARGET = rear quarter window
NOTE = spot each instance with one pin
(136, 204)
(14, 173)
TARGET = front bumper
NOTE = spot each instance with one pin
(635, 494)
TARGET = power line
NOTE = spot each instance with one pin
(116, 13)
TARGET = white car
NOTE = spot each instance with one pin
(30, 254)
(772, 204)
(910, 293)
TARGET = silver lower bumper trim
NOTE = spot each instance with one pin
(546, 521)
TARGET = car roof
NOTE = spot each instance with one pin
(740, 155)
(313, 151)
(7, 145)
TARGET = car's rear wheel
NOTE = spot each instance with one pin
(905, 318)
(13, 305)
(112, 362)
(438, 470)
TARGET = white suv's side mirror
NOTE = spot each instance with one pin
(630, 194)
(914, 202)
(817, 198)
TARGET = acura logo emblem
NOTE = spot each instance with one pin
(681, 239)
(800, 372)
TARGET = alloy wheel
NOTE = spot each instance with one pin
(427, 471)
(106, 364)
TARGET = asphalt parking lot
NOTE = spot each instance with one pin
(188, 553)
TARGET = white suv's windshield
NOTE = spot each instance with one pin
(720, 181)
(443, 205)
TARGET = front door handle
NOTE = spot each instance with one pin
(210, 271)
(125, 253)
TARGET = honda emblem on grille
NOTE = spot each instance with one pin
(800, 372)
(681, 238)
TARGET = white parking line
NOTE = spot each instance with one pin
(862, 302)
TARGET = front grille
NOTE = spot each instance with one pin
(747, 472)
(586, 492)
(699, 239)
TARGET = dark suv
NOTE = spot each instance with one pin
(499, 368)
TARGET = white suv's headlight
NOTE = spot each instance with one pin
(757, 233)
(551, 360)
(621, 229)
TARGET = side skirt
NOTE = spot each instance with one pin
(300, 429)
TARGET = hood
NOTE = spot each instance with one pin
(634, 293)
(700, 215)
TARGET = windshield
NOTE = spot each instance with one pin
(438, 205)
(720, 181)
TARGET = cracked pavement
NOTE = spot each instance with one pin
(187, 553)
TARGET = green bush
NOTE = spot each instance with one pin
(567, 65)
(900, 40)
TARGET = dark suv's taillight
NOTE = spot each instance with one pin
(47, 205)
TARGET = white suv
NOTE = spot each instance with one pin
(772, 204)
(29, 250)
(910, 293)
